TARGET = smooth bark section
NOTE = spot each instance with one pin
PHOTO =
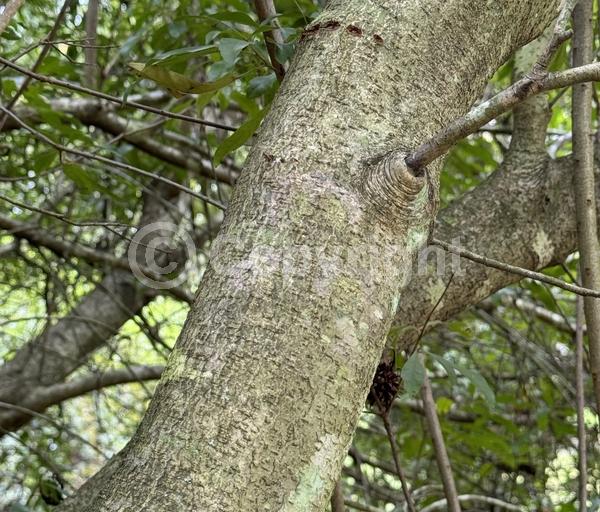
(441, 454)
(337, 498)
(585, 200)
(580, 398)
(259, 401)
(90, 51)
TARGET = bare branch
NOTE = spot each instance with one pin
(266, 10)
(439, 446)
(585, 194)
(58, 393)
(499, 104)
(489, 262)
(580, 401)
(90, 49)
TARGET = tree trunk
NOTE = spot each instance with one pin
(259, 401)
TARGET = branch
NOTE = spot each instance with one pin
(90, 49)
(44, 397)
(97, 113)
(119, 101)
(441, 504)
(337, 498)
(383, 413)
(585, 196)
(359, 506)
(580, 403)
(266, 10)
(499, 104)
(60, 392)
(531, 308)
(116, 125)
(489, 262)
(66, 345)
(439, 446)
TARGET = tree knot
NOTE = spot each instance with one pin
(393, 188)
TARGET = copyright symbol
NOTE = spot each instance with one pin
(151, 251)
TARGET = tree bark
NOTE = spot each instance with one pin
(259, 401)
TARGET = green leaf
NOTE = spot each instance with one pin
(132, 41)
(80, 177)
(176, 83)
(9, 87)
(51, 491)
(447, 365)
(413, 375)
(44, 160)
(237, 138)
(443, 405)
(11, 34)
(231, 48)
(480, 384)
(284, 51)
(261, 84)
(203, 99)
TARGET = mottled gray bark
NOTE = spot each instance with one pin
(259, 401)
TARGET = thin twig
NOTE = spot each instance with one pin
(25, 410)
(504, 101)
(439, 446)
(430, 314)
(45, 49)
(109, 162)
(384, 415)
(580, 400)
(537, 276)
(113, 99)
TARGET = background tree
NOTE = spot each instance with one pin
(281, 355)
